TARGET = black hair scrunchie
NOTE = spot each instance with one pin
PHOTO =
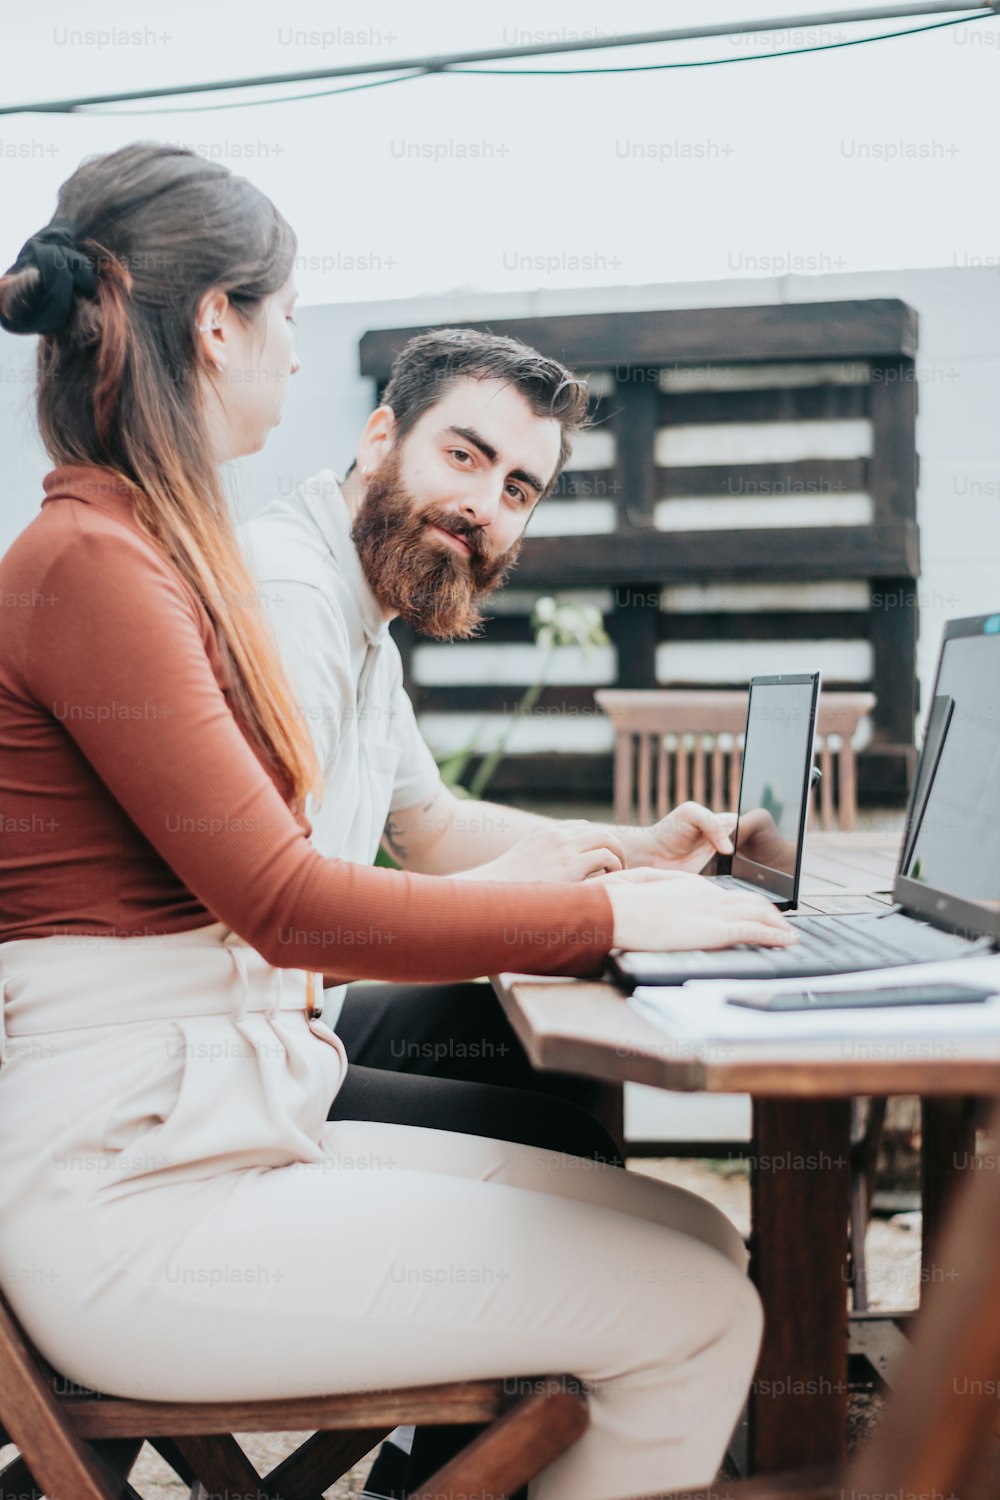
(64, 270)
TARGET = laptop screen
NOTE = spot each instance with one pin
(955, 848)
(774, 790)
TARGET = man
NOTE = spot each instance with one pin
(472, 433)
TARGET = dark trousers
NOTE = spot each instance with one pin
(446, 1058)
(454, 1031)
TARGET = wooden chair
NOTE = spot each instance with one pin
(82, 1446)
(672, 744)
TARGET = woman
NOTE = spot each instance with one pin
(201, 1231)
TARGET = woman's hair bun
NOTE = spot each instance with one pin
(43, 302)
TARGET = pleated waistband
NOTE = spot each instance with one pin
(71, 983)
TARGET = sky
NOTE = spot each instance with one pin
(864, 158)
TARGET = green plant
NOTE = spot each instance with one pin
(556, 623)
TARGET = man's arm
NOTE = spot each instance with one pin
(444, 833)
(448, 835)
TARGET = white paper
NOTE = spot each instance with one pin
(697, 1012)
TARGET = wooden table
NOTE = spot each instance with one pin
(800, 1167)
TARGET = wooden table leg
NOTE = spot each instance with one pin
(948, 1148)
(800, 1198)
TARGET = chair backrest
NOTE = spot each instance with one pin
(32, 1419)
(672, 744)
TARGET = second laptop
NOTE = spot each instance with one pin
(774, 787)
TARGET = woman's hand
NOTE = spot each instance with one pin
(665, 911)
(563, 852)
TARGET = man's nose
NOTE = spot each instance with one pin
(480, 507)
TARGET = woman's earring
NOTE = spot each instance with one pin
(220, 362)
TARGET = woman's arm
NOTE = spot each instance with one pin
(125, 651)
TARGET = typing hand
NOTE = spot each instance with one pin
(663, 911)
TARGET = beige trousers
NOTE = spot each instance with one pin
(179, 1221)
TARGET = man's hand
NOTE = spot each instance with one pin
(761, 841)
(685, 839)
(568, 851)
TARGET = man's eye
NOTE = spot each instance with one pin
(460, 453)
(516, 493)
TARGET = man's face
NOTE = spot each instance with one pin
(444, 512)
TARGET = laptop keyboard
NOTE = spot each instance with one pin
(827, 945)
(830, 940)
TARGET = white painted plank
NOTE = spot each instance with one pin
(594, 449)
(699, 443)
(726, 513)
(766, 377)
(468, 663)
(602, 383)
(513, 601)
(710, 598)
(562, 732)
(712, 662)
(573, 518)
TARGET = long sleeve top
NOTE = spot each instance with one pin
(132, 802)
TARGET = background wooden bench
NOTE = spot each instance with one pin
(672, 745)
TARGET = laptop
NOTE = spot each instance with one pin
(946, 890)
(775, 781)
(938, 722)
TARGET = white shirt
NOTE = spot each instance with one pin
(345, 672)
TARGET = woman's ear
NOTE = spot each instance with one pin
(211, 331)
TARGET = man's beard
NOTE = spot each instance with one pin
(415, 575)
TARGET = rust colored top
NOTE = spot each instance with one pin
(131, 802)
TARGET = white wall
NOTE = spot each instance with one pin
(958, 435)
